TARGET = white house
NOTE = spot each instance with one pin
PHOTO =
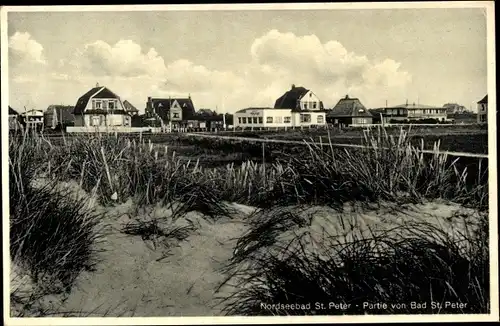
(100, 107)
(263, 118)
(299, 98)
(482, 110)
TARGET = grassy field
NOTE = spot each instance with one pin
(171, 229)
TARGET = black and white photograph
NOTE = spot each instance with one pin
(188, 164)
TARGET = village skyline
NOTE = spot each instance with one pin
(231, 60)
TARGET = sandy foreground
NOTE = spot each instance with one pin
(135, 278)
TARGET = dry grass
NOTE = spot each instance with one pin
(427, 264)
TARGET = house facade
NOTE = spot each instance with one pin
(59, 115)
(176, 112)
(299, 98)
(100, 107)
(412, 112)
(482, 110)
(349, 112)
(32, 119)
(13, 119)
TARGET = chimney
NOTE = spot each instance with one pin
(406, 102)
(346, 97)
(97, 85)
(293, 86)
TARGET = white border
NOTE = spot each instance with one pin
(489, 8)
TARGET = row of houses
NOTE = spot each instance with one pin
(297, 107)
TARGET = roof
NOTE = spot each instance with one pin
(256, 108)
(129, 107)
(96, 92)
(162, 107)
(484, 100)
(290, 99)
(414, 106)
(349, 107)
(12, 111)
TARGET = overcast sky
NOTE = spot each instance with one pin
(236, 59)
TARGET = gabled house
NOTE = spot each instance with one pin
(482, 110)
(299, 98)
(132, 110)
(59, 115)
(100, 107)
(13, 119)
(349, 111)
(305, 106)
(176, 111)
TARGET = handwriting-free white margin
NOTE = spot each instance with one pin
(488, 7)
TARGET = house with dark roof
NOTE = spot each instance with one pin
(13, 119)
(482, 110)
(100, 107)
(298, 99)
(174, 111)
(306, 109)
(349, 111)
(59, 115)
(132, 110)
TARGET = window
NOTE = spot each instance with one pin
(111, 105)
(98, 105)
(255, 120)
(244, 120)
(269, 119)
(95, 120)
(314, 105)
(305, 106)
(320, 119)
(288, 119)
(425, 111)
(305, 118)
(261, 120)
(175, 115)
(239, 120)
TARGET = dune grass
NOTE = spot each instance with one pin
(407, 264)
(425, 265)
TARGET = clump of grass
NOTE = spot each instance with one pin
(417, 262)
(153, 231)
(52, 236)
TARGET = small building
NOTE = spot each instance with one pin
(100, 107)
(174, 111)
(263, 118)
(425, 112)
(454, 108)
(413, 112)
(59, 115)
(349, 111)
(482, 110)
(132, 110)
(32, 119)
(13, 119)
